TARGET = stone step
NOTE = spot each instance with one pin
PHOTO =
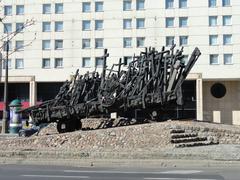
(177, 131)
(183, 135)
(192, 144)
(189, 139)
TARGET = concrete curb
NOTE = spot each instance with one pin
(158, 163)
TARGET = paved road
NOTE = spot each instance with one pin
(22, 172)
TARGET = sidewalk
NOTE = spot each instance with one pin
(205, 156)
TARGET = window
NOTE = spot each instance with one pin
(169, 22)
(127, 42)
(127, 60)
(183, 40)
(227, 20)
(58, 8)
(98, 43)
(58, 26)
(86, 7)
(7, 10)
(140, 41)
(140, 23)
(98, 62)
(46, 44)
(212, 3)
(218, 90)
(169, 4)
(19, 27)
(19, 45)
(127, 23)
(227, 39)
(226, 2)
(86, 62)
(182, 3)
(212, 20)
(183, 22)
(140, 4)
(9, 45)
(86, 25)
(213, 40)
(58, 44)
(46, 63)
(9, 64)
(46, 9)
(86, 43)
(19, 9)
(7, 27)
(127, 5)
(19, 64)
(98, 24)
(227, 58)
(213, 59)
(99, 6)
(169, 40)
(58, 63)
(46, 26)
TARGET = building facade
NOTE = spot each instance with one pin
(71, 34)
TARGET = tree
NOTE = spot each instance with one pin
(5, 53)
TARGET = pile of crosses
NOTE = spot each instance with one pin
(140, 89)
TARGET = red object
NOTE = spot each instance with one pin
(1, 106)
(25, 104)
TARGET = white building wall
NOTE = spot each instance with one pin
(155, 32)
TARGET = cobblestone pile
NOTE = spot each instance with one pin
(150, 137)
(137, 137)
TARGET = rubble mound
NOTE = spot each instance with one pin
(51, 129)
(142, 137)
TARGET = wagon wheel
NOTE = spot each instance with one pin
(64, 126)
(78, 125)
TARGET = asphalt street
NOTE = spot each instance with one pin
(29, 172)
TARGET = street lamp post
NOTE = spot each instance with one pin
(5, 108)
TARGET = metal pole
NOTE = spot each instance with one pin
(5, 110)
